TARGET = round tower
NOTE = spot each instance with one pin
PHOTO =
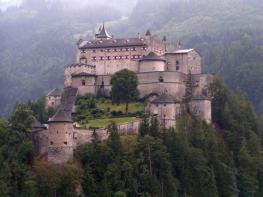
(151, 63)
(60, 137)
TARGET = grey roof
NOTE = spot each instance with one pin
(152, 57)
(120, 42)
(67, 102)
(83, 74)
(80, 64)
(103, 33)
(37, 125)
(55, 92)
(164, 98)
(184, 51)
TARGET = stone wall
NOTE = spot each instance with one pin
(166, 113)
(83, 136)
(89, 86)
(53, 101)
(40, 141)
(76, 68)
(184, 62)
(151, 66)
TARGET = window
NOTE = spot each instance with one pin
(65, 143)
(108, 57)
(121, 57)
(161, 79)
(115, 50)
(164, 105)
(101, 50)
(127, 49)
(134, 49)
(83, 82)
(93, 58)
(51, 143)
(177, 67)
(127, 56)
(177, 62)
(94, 51)
(52, 103)
(101, 58)
(83, 60)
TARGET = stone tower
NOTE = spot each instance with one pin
(60, 131)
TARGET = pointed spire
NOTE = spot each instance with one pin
(148, 33)
(179, 44)
(164, 39)
(103, 32)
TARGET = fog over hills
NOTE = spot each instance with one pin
(37, 38)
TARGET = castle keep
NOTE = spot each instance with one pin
(162, 69)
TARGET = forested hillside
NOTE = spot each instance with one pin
(38, 39)
(195, 159)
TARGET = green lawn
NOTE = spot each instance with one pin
(133, 107)
(102, 123)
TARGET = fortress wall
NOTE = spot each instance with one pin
(150, 77)
(173, 59)
(76, 69)
(53, 101)
(151, 66)
(83, 136)
(203, 81)
(88, 88)
(167, 113)
(194, 62)
(149, 83)
(40, 141)
(174, 89)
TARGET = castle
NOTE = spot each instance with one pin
(162, 70)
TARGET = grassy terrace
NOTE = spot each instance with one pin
(99, 113)
(104, 122)
(107, 105)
